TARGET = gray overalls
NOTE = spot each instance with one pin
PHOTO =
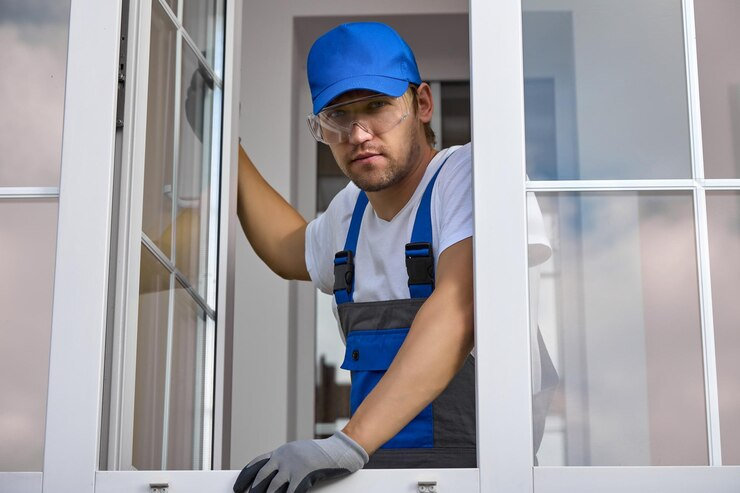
(443, 435)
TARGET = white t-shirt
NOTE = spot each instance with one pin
(380, 265)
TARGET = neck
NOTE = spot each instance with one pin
(388, 202)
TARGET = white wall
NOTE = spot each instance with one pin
(270, 100)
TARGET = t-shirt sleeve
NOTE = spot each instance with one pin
(454, 205)
(539, 249)
(454, 209)
(323, 238)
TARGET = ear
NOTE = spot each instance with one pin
(425, 102)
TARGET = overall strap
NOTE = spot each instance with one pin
(344, 265)
(419, 254)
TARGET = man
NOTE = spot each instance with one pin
(400, 269)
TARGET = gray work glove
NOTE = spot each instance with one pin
(296, 466)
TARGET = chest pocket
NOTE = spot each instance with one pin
(368, 355)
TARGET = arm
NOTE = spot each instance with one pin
(273, 227)
(440, 339)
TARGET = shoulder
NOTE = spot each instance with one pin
(456, 157)
(456, 173)
(452, 199)
(340, 208)
(325, 236)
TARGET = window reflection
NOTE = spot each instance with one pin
(27, 254)
(717, 45)
(157, 217)
(33, 36)
(196, 163)
(619, 310)
(724, 248)
(203, 20)
(151, 363)
(605, 90)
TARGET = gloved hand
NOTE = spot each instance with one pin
(296, 466)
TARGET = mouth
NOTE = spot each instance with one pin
(365, 157)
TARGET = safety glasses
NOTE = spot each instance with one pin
(375, 114)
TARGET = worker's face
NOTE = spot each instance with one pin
(377, 162)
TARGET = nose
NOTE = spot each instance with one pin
(359, 134)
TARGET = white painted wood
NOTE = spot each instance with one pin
(20, 482)
(80, 285)
(505, 455)
(714, 184)
(375, 481)
(123, 378)
(594, 185)
(28, 192)
(227, 238)
(637, 479)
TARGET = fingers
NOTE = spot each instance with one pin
(316, 476)
(262, 481)
(279, 484)
(246, 477)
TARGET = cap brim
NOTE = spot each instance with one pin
(376, 83)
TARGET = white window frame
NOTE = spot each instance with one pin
(504, 432)
(119, 451)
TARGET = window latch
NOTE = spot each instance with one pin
(426, 487)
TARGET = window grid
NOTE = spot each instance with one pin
(699, 186)
(209, 222)
(28, 192)
(177, 21)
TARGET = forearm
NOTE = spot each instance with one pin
(435, 349)
(273, 227)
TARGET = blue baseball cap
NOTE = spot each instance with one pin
(359, 55)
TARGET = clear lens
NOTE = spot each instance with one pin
(374, 114)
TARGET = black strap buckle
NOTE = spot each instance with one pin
(344, 270)
(420, 263)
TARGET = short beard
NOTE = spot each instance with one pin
(396, 171)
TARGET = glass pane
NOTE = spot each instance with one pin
(619, 315)
(196, 164)
(605, 90)
(27, 251)
(724, 248)
(160, 132)
(33, 36)
(151, 363)
(186, 394)
(717, 44)
(203, 21)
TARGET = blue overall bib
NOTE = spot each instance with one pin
(443, 434)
